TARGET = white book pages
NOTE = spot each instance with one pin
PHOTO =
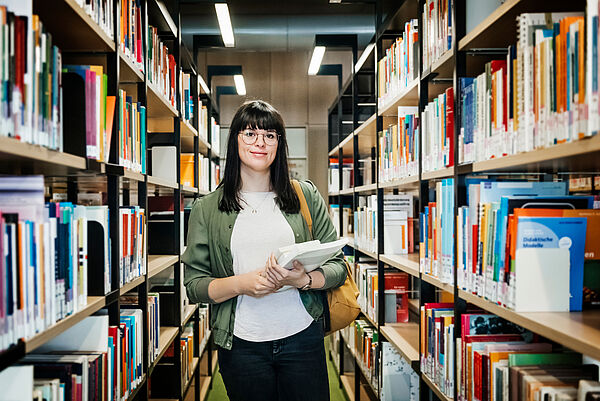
(311, 254)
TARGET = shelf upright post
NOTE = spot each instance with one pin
(460, 190)
(178, 276)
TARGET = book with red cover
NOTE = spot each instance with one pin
(398, 282)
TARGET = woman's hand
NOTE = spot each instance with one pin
(296, 277)
(256, 284)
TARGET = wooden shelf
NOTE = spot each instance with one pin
(187, 129)
(20, 157)
(188, 312)
(158, 106)
(405, 337)
(161, 182)
(203, 145)
(407, 97)
(368, 253)
(158, 263)
(562, 157)
(186, 386)
(499, 29)
(438, 174)
(443, 67)
(166, 337)
(345, 144)
(347, 191)
(348, 385)
(190, 190)
(334, 193)
(71, 28)
(94, 304)
(579, 331)
(435, 388)
(367, 128)
(367, 318)
(436, 282)
(406, 182)
(366, 188)
(407, 263)
(129, 72)
(131, 285)
(413, 305)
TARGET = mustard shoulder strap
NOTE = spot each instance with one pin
(303, 205)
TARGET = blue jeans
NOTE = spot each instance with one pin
(289, 369)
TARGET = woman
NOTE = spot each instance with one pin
(270, 342)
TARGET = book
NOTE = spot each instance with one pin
(311, 254)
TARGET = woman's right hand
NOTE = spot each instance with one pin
(256, 284)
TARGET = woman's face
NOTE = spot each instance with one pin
(259, 155)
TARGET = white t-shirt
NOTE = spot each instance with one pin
(254, 237)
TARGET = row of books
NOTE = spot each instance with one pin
(161, 66)
(203, 127)
(398, 224)
(132, 247)
(395, 293)
(91, 111)
(437, 141)
(187, 352)
(56, 254)
(131, 33)
(436, 233)
(399, 67)
(205, 168)
(399, 146)
(90, 361)
(188, 108)
(537, 96)
(438, 30)
(510, 230)
(101, 11)
(31, 104)
(363, 340)
(132, 133)
(347, 219)
(365, 223)
(334, 174)
(215, 135)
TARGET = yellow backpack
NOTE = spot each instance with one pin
(343, 307)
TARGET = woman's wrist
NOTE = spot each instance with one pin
(305, 282)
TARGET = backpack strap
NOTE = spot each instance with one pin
(304, 210)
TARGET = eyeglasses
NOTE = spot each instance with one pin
(250, 136)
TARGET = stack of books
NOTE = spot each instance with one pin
(399, 67)
(132, 247)
(438, 30)
(507, 232)
(437, 140)
(161, 66)
(436, 230)
(130, 36)
(399, 146)
(365, 223)
(132, 133)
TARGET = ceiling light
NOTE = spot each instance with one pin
(240, 85)
(315, 61)
(225, 24)
(363, 57)
(335, 1)
(205, 88)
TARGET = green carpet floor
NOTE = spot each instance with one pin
(218, 392)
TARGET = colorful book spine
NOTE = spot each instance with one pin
(131, 32)
(437, 139)
(438, 30)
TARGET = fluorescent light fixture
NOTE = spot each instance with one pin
(225, 24)
(335, 1)
(364, 56)
(240, 85)
(315, 61)
(205, 87)
(366, 104)
(347, 122)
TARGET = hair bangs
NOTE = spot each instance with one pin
(259, 115)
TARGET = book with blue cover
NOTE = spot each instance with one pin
(536, 234)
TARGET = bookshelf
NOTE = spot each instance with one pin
(466, 55)
(82, 41)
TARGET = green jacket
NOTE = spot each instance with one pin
(208, 256)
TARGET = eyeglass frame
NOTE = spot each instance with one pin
(258, 132)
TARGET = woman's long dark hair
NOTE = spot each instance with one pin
(257, 114)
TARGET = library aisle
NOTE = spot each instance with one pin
(455, 143)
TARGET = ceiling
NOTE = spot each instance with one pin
(280, 25)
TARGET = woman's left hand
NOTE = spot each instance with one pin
(296, 277)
